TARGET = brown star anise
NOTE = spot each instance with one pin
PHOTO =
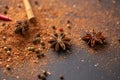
(59, 41)
(21, 27)
(94, 39)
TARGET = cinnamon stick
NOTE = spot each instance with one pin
(29, 11)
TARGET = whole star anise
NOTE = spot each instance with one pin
(59, 41)
(93, 39)
(21, 27)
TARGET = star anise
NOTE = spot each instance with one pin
(93, 39)
(21, 27)
(59, 41)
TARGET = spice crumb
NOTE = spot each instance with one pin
(42, 77)
(17, 77)
(96, 64)
(5, 12)
(4, 38)
(6, 7)
(36, 2)
(119, 40)
(61, 77)
(82, 60)
(8, 67)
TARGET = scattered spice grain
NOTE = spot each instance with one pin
(61, 77)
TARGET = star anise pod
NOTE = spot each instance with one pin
(59, 41)
(21, 27)
(93, 39)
